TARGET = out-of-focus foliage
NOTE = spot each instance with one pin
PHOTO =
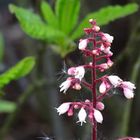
(106, 15)
(7, 106)
(1, 47)
(59, 26)
(21, 69)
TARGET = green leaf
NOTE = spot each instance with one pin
(34, 26)
(64, 47)
(1, 47)
(48, 14)
(105, 15)
(67, 12)
(7, 106)
(21, 69)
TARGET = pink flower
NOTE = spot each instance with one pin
(82, 116)
(128, 88)
(65, 85)
(107, 37)
(106, 50)
(63, 108)
(77, 72)
(114, 80)
(100, 106)
(103, 67)
(98, 116)
(83, 44)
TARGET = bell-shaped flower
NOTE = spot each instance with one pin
(128, 89)
(77, 72)
(102, 87)
(107, 37)
(63, 108)
(114, 80)
(82, 116)
(65, 85)
(127, 84)
(83, 44)
(98, 116)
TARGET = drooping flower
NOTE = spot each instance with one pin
(128, 89)
(107, 37)
(98, 116)
(82, 116)
(83, 44)
(65, 85)
(63, 108)
(114, 80)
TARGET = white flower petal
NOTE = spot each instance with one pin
(83, 44)
(115, 80)
(128, 84)
(63, 108)
(128, 93)
(102, 87)
(79, 72)
(108, 37)
(65, 85)
(98, 116)
(82, 116)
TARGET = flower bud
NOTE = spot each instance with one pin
(98, 116)
(100, 106)
(102, 87)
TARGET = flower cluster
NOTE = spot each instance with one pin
(97, 46)
(85, 110)
(76, 75)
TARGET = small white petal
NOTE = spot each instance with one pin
(128, 93)
(82, 116)
(98, 116)
(128, 84)
(63, 108)
(65, 85)
(83, 44)
(115, 80)
(108, 37)
(102, 87)
(79, 72)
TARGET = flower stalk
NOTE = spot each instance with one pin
(96, 46)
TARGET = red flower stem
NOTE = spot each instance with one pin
(87, 84)
(99, 98)
(101, 57)
(94, 128)
(100, 79)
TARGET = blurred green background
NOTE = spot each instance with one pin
(38, 38)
